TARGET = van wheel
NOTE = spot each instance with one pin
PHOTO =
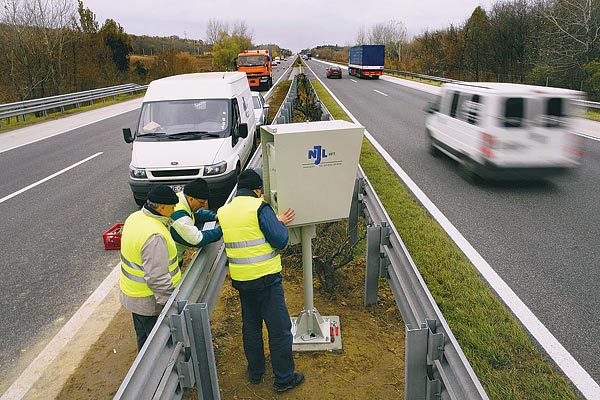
(433, 150)
(467, 171)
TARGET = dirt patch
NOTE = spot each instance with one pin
(371, 364)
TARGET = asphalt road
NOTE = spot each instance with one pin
(543, 238)
(52, 255)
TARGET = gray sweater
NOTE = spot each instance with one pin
(155, 261)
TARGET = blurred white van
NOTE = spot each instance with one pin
(192, 126)
(503, 130)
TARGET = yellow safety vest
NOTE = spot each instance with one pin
(183, 205)
(250, 255)
(137, 230)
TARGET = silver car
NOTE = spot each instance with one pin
(261, 110)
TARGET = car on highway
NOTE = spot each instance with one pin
(504, 130)
(334, 71)
(261, 110)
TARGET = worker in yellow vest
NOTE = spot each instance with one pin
(149, 268)
(189, 217)
(253, 236)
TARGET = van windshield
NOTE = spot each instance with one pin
(184, 119)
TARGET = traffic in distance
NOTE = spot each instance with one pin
(493, 130)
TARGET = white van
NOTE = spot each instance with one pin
(505, 130)
(192, 126)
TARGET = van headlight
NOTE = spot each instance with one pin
(215, 169)
(137, 173)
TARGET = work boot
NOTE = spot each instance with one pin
(254, 379)
(296, 381)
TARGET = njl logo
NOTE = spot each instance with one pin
(317, 153)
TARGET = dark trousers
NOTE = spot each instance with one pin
(143, 326)
(267, 304)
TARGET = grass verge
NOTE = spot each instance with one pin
(31, 119)
(593, 115)
(277, 97)
(504, 357)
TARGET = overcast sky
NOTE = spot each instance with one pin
(294, 25)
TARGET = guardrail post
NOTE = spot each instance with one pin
(355, 211)
(203, 356)
(372, 268)
(423, 347)
(377, 236)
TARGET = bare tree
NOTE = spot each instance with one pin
(377, 34)
(362, 37)
(392, 35)
(33, 38)
(574, 39)
(215, 31)
(242, 30)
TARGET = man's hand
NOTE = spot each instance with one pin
(287, 216)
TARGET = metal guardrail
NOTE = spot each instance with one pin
(178, 352)
(580, 103)
(435, 366)
(22, 108)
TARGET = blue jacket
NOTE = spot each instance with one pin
(276, 234)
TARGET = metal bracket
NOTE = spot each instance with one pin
(384, 261)
(423, 347)
(178, 326)
(435, 342)
(433, 390)
(185, 371)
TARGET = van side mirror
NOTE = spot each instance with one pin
(127, 135)
(433, 108)
(243, 131)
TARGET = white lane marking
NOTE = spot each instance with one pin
(68, 130)
(18, 192)
(375, 90)
(34, 371)
(588, 136)
(565, 361)
(353, 80)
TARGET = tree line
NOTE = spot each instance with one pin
(58, 47)
(540, 42)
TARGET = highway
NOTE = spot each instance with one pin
(543, 238)
(57, 196)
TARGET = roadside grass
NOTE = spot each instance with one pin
(277, 97)
(30, 119)
(593, 115)
(504, 357)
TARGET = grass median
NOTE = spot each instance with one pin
(504, 357)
